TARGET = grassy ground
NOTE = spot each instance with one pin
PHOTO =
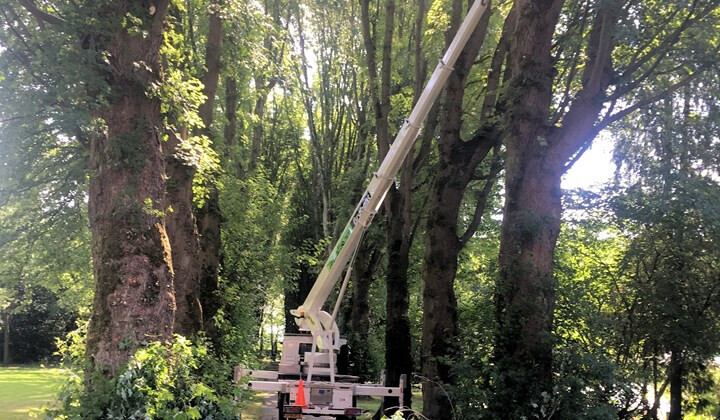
(25, 389)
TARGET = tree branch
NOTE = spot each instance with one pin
(664, 46)
(578, 124)
(493, 78)
(431, 123)
(647, 101)
(418, 218)
(481, 204)
(40, 15)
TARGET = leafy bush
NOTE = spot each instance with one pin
(161, 381)
(35, 325)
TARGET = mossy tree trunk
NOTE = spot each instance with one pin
(439, 303)
(531, 220)
(525, 297)
(134, 292)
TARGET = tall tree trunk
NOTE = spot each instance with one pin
(359, 340)
(182, 225)
(213, 48)
(537, 156)
(134, 292)
(677, 376)
(184, 240)
(531, 223)
(439, 327)
(6, 338)
(525, 298)
(208, 218)
(259, 111)
(457, 161)
(398, 340)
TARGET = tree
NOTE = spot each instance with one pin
(134, 293)
(457, 165)
(551, 117)
(398, 205)
(673, 241)
(35, 326)
(340, 152)
(194, 310)
(103, 107)
(132, 261)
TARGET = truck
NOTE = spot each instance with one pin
(307, 381)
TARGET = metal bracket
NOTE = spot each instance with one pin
(411, 124)
(388, 178)
(445, 66)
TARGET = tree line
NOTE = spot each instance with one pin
(183, 167)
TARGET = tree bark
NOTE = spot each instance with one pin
(525, 298)
(359, 340)
(677, 375)
(132, 265)
(537, 156)
(184, 241)
(213, 49)
(6, 338)
(456, 165)
(182, 225)
(259, 111)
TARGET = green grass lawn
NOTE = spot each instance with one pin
(26, 389)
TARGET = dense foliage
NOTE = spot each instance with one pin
(161, 381)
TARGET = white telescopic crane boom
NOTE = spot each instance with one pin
(310, 316)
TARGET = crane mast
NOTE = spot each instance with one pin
(310, 316)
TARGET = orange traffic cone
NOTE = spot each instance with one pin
(300, 400)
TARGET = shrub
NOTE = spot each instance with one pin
(161, 381)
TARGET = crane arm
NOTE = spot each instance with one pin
(310, 316)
